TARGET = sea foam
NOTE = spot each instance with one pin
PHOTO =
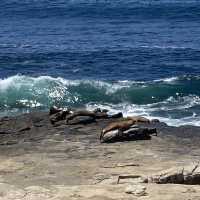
(174, 103)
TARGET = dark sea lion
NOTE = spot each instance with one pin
(96, 114)
(61, 115)
(53, 110)
(80, 113)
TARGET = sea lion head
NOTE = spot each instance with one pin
(97, 110)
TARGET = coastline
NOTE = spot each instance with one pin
(39, 160)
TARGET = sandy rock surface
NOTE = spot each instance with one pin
(68, 162)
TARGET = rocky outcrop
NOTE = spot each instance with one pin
(189, 175)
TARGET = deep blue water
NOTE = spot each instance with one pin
(137, 56)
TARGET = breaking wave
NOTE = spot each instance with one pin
(174, 100)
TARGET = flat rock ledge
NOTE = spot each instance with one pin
(57, 161)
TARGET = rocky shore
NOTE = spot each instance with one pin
(41, 160)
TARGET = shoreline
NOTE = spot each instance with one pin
(70, 161)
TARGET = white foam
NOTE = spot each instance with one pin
(163, 47)
(149, 110)
(31, 90)
(167, 80)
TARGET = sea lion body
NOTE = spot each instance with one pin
(124, 125)
(80, 113)
(139, 119)
(96, 114)
(61, 115)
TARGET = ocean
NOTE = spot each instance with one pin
(141, 57)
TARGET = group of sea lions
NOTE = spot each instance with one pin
(125, 124)
(58, 114)
(122, 125)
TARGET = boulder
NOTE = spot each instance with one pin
(137, 190)
(189, 175)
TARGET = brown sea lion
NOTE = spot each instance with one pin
(124, 125)
(139, 119)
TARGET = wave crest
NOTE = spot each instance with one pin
(172, 99)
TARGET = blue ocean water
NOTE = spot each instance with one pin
(141, 57)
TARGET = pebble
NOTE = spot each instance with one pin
(137, 190)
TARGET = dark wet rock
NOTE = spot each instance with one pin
(3, 119)
(37, 125)
(10, 142)
(6, 132)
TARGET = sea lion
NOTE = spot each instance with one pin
(124, 125)
(139, 119)
(53, 110)
(80, 113)
(61, 115)
(96, 114)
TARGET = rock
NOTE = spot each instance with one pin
(137, 190)
(6, 132)
(189, 175)
(38, 192)
(10, 192)
(10, 142)
(26, 128)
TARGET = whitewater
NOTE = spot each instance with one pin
(169, 99)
